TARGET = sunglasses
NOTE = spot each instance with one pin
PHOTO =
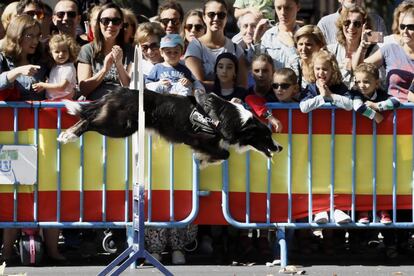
(357, 23)
(116, 21)
(281, 85)
(39, 14)
(126, 25)
(220, 15)
(153, 46)
(409, 27)
(69, 14)
(174, 21)
(197, 27)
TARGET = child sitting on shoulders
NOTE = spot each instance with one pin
(171, 76)
(326, 86)
(369, 99)
(62, 78)
(225, 82)
(285, 88)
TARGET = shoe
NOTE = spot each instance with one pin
(206, 245)
(385, 217)
(321, 217)
(156, 256)
(178, 257)
(341, 217)
(363, 218)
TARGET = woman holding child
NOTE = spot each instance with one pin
(104, 63)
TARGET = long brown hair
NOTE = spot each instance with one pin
(14, 35)
(98, 40)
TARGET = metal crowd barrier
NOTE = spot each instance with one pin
(238, 166)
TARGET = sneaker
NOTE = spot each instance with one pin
(363, 218)
(178, 257)
(321, 217)
(385, 217)
(341, 217)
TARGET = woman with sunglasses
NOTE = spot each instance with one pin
(193, 26)
(148, 36)
(170, 16)
(349, 30)
(202, 53)
(105, 62)
(398, 59)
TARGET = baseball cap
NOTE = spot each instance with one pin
(171, 40)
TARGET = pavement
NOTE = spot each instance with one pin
(209, 270)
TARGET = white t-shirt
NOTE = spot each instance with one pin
(209, 56)
(58, 74)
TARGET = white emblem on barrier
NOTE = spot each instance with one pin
(18, 164)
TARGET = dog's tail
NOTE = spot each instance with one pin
(74, 108)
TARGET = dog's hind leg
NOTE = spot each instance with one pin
(73, 133)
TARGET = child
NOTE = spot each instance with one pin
(367, 96)
(62, 78)
(170, 76)
(370, 100)
(285, 88)
(327, 86)
(225, 83)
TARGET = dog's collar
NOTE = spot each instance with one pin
(201, 122)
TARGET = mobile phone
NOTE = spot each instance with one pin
(375, 37)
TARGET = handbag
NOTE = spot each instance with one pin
(12, 93)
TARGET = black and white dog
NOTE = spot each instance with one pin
(208, 130)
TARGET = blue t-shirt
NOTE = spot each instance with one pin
(171, 73)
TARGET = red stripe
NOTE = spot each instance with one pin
(210, 206)
(321, 123)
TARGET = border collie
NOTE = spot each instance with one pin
(207, 123)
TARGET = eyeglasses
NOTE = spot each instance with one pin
(357, 23)
(39, 14)
(174, 21)
(281, 85)
(116, 21)
(197, 27)
(153, 46)
(70, 14)
(220, 15)
(409, 27)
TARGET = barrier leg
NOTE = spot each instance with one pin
(281, 237)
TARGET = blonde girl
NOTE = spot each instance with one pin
(62, 78)
(326, 84)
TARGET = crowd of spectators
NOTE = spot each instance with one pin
(347, 60)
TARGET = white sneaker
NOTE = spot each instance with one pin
(341, 217)
(321, 217)
(178, 257)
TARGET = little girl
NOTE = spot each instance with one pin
(225, 82)
(326, 86)
(62, 78)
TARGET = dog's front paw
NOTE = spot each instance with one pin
(66, 137)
